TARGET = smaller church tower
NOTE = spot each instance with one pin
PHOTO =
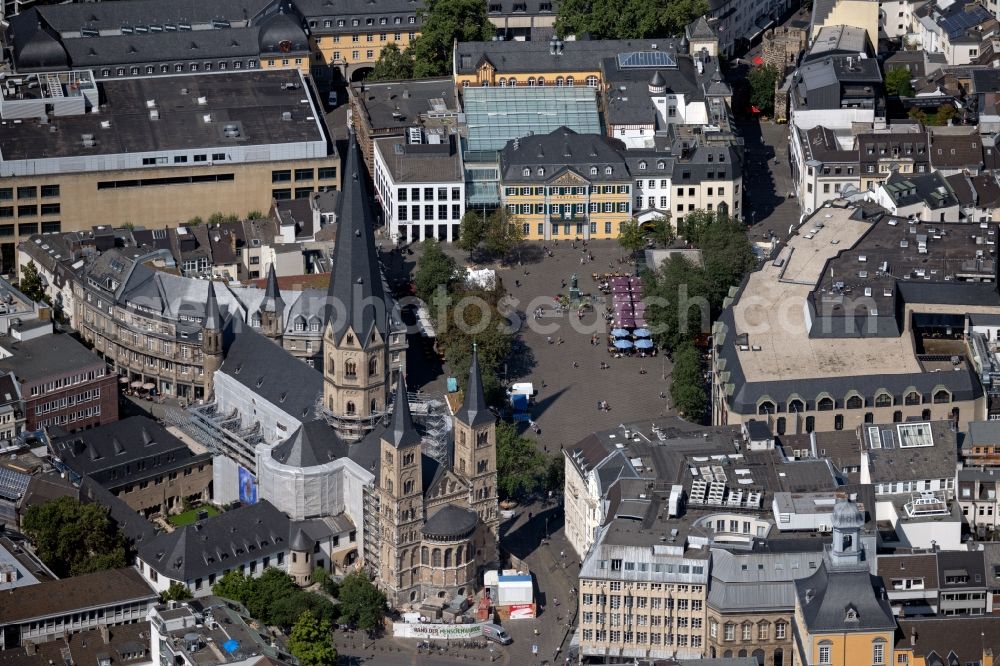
(211, 340)
(401, 493)
(272, 309)
(476, 459)
(847, 520)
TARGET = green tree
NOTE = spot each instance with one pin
(434, 269)
(662, 230)
(176, 592)
(392, 64)
(555, 475)
(310, 641)
(521, 467)
(194, 221)
(631, 19)
(471, 230)
(726, 254)
(503, 233)
(897, 82)
(361, 603)
(443, 22)
(678, 306)
(631, 238)
(74, 538)
(687, 388)
(256, 215)
(285, 610)
(233, 585)
(31, 282)
(762, 81)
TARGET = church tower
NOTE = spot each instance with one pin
(847, 520)
(364, 344)
(211, 340)
(272, 309)
(401, 496)
(476, 460)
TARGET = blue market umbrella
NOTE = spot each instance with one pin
(619, 332)
(623, 344)
(641, 333)
(231, 646)
(644, 344)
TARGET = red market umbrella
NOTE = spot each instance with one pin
(757, 60)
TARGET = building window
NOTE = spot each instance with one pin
(779, 631)
(824, 654)
(729, 632)
(878, 652)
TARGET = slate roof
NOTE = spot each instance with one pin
(450, 521)
(134, 448)
(133, 525)
(831, 592)
(969, 563)
(515, 57)
(47, 356)
(956, 151)
(559, 151)
(917, 565)
(357, 299)
(940, 639)
(700, 29)
(272, 295)
(914, 463)
(313, 443)
(749, 581)
(474, 410)
(396, 105)
(270, 372)
(224, 541)
(983, 433)
(401, 433)
(68, 595)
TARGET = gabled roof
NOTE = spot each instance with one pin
(213, 317)
(314, 443)
(826, 596)
(357, 300)
(701, 29)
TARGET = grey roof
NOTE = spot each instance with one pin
(313, 443)
(396, 105)
(831, 592)
(132, 524)
(747, 581)
(915, 463)
(970, 564)
(272, 295)
(546, 156)
(983, 433)
(47, 356)
(422, 162)
(401, 432)
(357, 299)
(700, 29)
(220, 542)
(474, 410)
(213, 317)
(516, 57)
(110, 453)
(450, 521)
(943, 641)
(255, 100)
(302, 542)
(837, 39)
(270, 372)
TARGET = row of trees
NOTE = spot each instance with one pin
(444, 21)
(685, 297)
(273, 598)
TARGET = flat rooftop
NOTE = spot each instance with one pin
(175, 113)
(421, 162)
(395, 106)
(46, 356)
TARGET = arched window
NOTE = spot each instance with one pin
(781, 425)
(810, 423)
(855, 402)
(423, 555)
(541, 171)
(941, 396)
(526, 172)
(503, 82)
(779, 657)
(350, 408)
(436, 557)
(458, 556)
(838, 422)
(559, 81)
(350, 368)
(592, 81)
(541, 80)
(512, 82)
(825, 404)
(912, 398)
(372, 366)
(766, 407)
(593, 171)
(661, 165)
(447, 557)
(330, 364)
(569, 81)
(925, 415)
(883, 399)
(608, 171)
(531, 80)
(897, 416)
(373, 407)
(795, 405)
(642, 165)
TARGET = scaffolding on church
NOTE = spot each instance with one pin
(221, 434)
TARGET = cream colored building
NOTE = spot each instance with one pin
(824, 337)
(862, 14)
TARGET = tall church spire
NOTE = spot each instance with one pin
(356, 297)
(474, 411)
(401, 433)
(272, 295)
(213, 316)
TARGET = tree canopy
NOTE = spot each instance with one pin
(496, 235)
(628, 19)
(521, 467)
(74, 538)
(630, 237)
(361, 603)
(897, 82)
(392, 64)
(176, 592)
(687, 387)
(31, 282)
(273, 598)
(442, 22)
(434, 269)
(763, 81)
(310, 641)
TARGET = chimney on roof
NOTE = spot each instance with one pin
(30, 649)
(105, 634)
(913, 636)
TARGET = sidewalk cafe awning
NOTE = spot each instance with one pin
(623, 344)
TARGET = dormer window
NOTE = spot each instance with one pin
(541, 171)
(607, 171)
(642, 166)
(593, 171)
(852, 614)
(660, 165)
(526, 172)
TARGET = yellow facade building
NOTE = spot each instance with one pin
(840, 619)
(566, 185)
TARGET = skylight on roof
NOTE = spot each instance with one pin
(643, 59)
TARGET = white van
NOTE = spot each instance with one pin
(496, 633)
